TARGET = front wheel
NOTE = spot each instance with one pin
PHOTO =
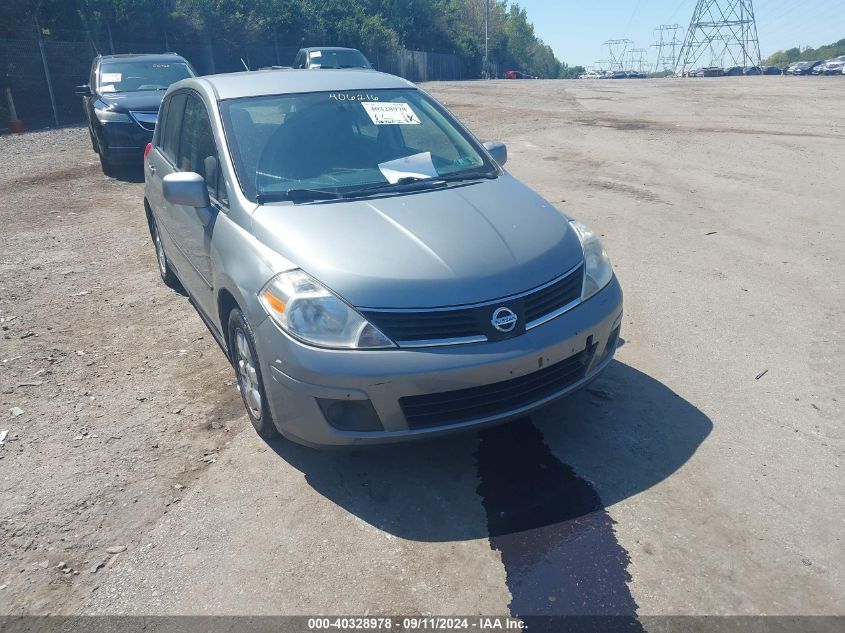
(108, 166)
(248, 371)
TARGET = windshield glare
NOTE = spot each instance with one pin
(337, 59)
(342, 142)
(139, 76)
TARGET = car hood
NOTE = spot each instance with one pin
(140, 101)
(460, 245)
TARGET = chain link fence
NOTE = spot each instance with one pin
(41, 74)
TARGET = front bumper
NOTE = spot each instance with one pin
(124, 141)
(296, 375)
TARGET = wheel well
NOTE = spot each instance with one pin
(225, 304)
(149, 213)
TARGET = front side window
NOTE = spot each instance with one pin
(135, 76)
(197, 150)
(169, 141)
(345, 141)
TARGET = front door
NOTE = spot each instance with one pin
(194, 227)
(160, 163)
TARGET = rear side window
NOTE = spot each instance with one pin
(169, 143)
(198, 152)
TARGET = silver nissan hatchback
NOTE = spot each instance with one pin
(370, 269)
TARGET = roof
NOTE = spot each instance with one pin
(329, 48)
(272, 81)
(152, 57)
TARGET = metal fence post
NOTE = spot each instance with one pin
(47, 74)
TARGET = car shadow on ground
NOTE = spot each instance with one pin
(622, 435)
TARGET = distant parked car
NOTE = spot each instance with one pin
(712, 71)
(121, 102)
(805, 68)
(752, 70)
(619, 74)
(770, 70)
(636, 75)
(518, 74)
(733, 71)
(331, 57)
(833, 66)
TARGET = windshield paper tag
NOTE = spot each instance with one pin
(416, 166)
(111, 78)
(390, 113)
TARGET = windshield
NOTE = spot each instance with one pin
(342, 142)
(337, 59)
(131, 76)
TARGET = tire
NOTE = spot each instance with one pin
(109, 168)
(93, 141)
(248, 373)
(164, 269)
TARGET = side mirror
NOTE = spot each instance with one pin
(186, 188)
(83, 91)
(498, 150)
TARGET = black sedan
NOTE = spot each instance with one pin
(805, 68)
(121, 103)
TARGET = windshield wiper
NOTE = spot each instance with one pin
(296, 195)
(469, 175)
(407, 183)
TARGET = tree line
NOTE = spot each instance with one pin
(445, 26)
(807, 54)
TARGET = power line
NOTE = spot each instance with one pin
(667, 48)
(616, 50)
(631, 19)
(724, 28)
(637, 59)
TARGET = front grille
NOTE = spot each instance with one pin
(550, 298)
(420, 326)
(414, 327)
(450, 407)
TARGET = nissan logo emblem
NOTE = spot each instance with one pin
(504, 319)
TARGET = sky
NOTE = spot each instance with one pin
(576, 29)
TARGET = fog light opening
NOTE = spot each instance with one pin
(350, 415)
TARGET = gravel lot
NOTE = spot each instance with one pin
(701, 475)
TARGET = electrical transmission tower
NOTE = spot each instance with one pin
(616, 50)
(667, 47)
(636, 59)
(725, 28)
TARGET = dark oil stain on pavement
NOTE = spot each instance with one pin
(556, 540)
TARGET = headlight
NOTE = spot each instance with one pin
(308, 311)
(111, 115)
(597, 269)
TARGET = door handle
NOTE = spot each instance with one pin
(151, 168)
